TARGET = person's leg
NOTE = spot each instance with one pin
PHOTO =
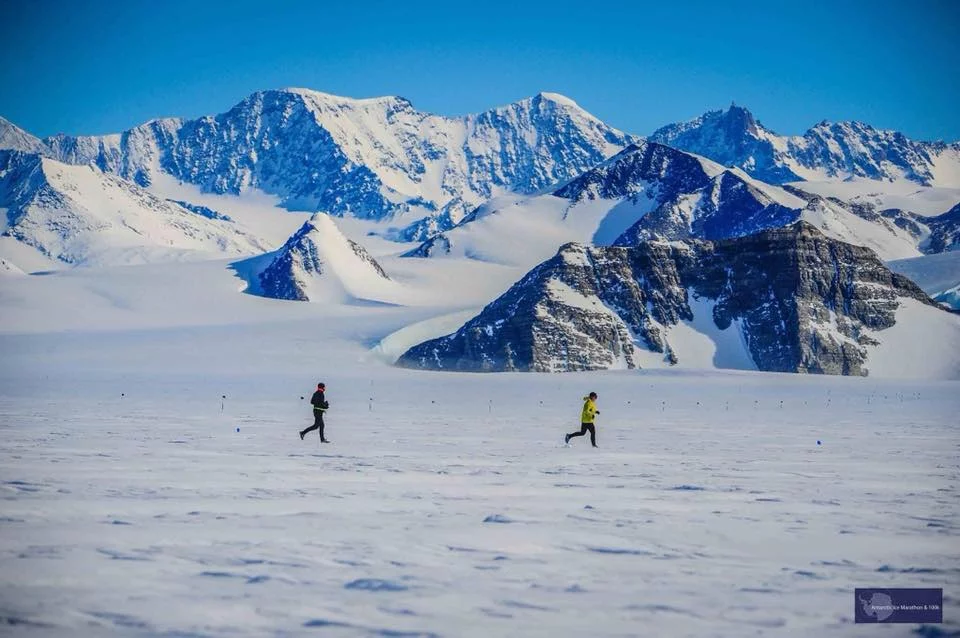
(583, 430)
(320, 421)
(317, 424)
(593, 435)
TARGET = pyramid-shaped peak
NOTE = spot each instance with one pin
(12, 137)
(739, 117)
(556, 98)
(320, 262)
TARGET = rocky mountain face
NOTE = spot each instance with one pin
(695, 198)
(828, 150)
(944, 231)
(317, 259)
(371, 158)
(802, 302)
(80, 215)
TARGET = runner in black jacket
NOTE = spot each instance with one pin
(320, 405)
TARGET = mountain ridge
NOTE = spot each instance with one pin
(835, 150)
(376, 158)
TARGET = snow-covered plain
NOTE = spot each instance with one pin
(138, 501)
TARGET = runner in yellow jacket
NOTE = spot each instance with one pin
(587, 417)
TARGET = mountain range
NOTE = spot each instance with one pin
(372, 158)
(650, 191)
(839, 150)
(672, 213)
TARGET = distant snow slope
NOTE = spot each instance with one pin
(79, 215)
(923, 344)
(522, 231)
(903, 194)
(370, 158)
(937, 275)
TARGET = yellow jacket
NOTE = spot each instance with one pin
(589, 410)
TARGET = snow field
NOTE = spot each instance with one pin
(447, 504)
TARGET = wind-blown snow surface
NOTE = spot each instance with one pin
(446, 505)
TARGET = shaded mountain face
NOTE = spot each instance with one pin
(80, 215)
(693, 198)
(319, 261)
(732, 138)
(800, 301)
(944, 231)
(828, 150)
(371, 158)
(696, 198)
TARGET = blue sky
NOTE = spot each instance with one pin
(86, 67)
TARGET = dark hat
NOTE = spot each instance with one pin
(321, 385)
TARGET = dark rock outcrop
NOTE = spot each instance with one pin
(944, 231)
(803, 303)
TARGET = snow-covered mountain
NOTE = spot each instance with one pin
(651, 191)
(788, 300)
(14, 138)
(371, 158)
(56, 212)
(944, 231)
(828, 150)
(320, 263)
